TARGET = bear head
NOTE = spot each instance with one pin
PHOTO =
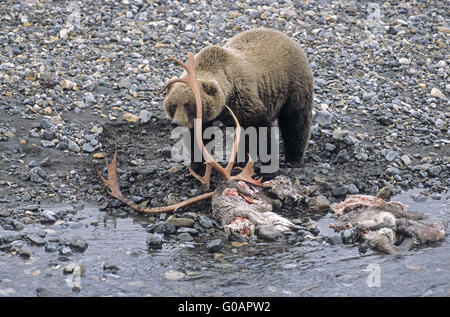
(180, 106)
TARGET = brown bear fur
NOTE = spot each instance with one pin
(262, 75)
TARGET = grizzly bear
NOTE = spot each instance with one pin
(262, 75)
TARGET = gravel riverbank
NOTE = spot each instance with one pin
(79, 79)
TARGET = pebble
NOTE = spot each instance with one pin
(109, 266)
(185, 237)
(214, 245)
(318, 204)
(78, 244)
(145, 116)
(342, 157)
(437, 93)
(154, 240)
(180, 222)
(130, 117)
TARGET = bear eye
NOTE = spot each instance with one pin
(172, 109)
(189, 109)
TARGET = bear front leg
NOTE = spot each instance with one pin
(294, 122)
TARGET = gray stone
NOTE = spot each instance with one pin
(340, 191)
(109, 266)
(124, 83)
(342, 157)
(78, 244)
(35, 239)
(215, 245)
(267, 232)
(184, 236)
(88, 148)
(434, 171)
(73, 146)
(330, 147)
(191, 231)
(205, 222)
(181, 222)
(154, 240)
(145, 116)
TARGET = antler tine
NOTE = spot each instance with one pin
(237, 136)
(112, 188)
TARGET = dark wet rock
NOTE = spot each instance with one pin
(340, 191)
(267, 232)
(164, 227)
(44, 292)
(78, 244)
(348, 236)
(154, 240)
(215, 245)
(110, 266)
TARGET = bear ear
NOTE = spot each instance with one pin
(210, 86)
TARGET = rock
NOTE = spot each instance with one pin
(109, 266)
(4, 212)
(89, 98)
(88, 148)
(205, 222)
(391, 171)
(385, 192)
(342, 157)
(173, 275)
(405, 159)
(340, 191)
(35, 239)
(66, 251)
(78, 269)
(437, 93)
(352, 189)
(323, 118)
(330, 147)
(391, 155)
(434, 171)
(184, 236)
(191, 231)
(145, 116)
(124, 83)
(214, 246)
(404, 61)
(164, 227)
(130, 117)
(43, 292)
(78, 244)
(267, 232)
(51, 247)
(73, 146)
(180, 222)
(318, 204)
(46, 124)
(154, 240)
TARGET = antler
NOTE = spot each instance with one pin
(112, 188)
(225, 173)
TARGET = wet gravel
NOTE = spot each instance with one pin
(78, 81)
